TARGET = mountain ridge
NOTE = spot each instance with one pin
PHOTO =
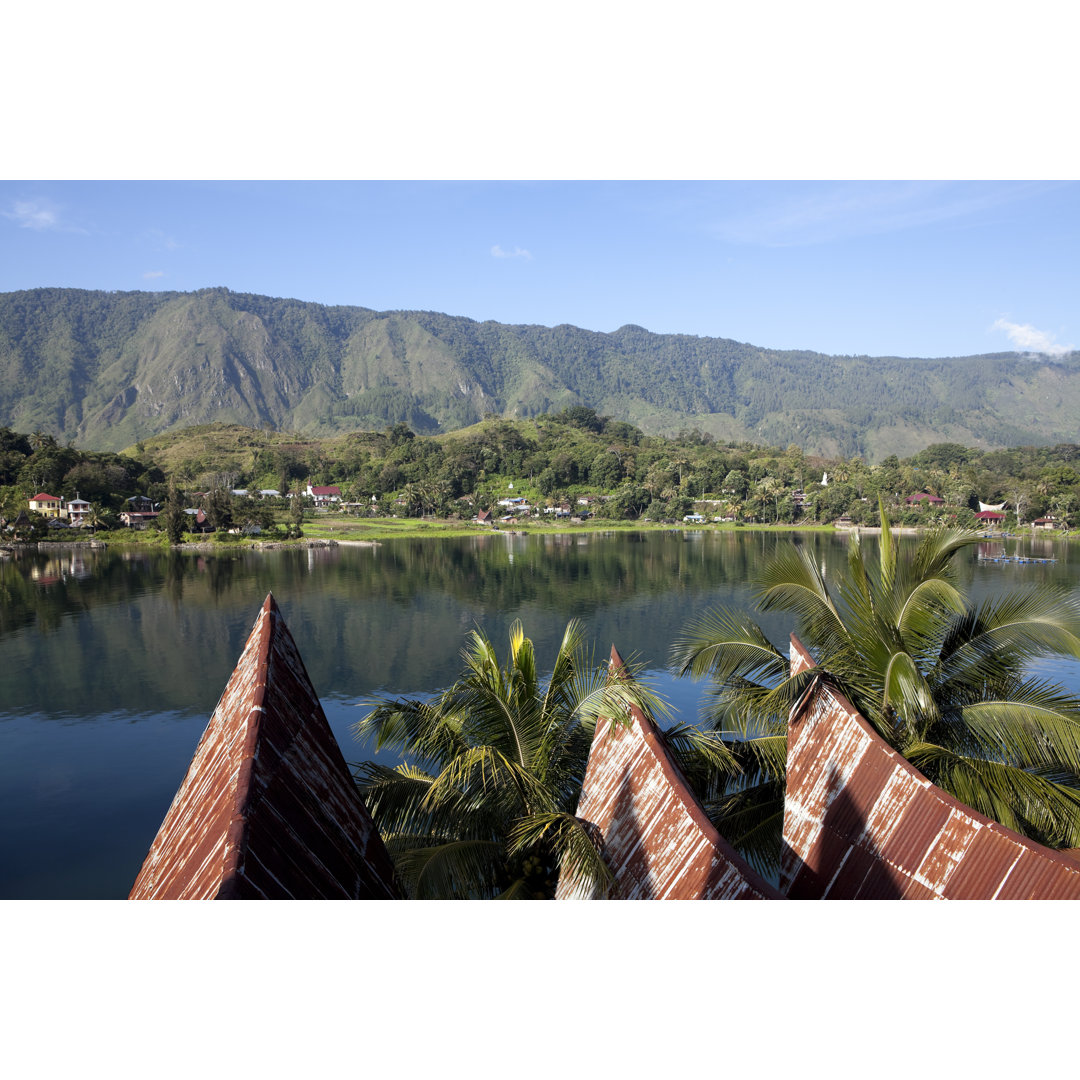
(105, 369)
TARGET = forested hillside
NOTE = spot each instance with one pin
(553, 460)
(104, 370)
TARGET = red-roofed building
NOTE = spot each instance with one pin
(47, 505)
(324, 496)
(990, 517)
(926, 497)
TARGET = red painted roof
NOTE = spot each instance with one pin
(268, 808)
(989, 515)
(862, 823)
(326, 491)
(656, 838)
(44, 498)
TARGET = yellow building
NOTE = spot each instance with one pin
(47, 505)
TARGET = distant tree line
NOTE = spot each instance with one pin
(553, 460)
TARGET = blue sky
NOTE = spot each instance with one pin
(905, 268)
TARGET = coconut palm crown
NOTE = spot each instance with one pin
(483, 807)
(943, 681)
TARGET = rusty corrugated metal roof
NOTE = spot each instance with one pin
(656, 838)
(268, 809)
(861, 822)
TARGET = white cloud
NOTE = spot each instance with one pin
(37, 214)
(154, 273)
(1027, 338)
(518, 253)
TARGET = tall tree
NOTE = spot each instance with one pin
(175, 518)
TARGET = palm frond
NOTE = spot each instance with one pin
(727, 645)
(456, 869)
(1036, 726)
(703, 756)
(1024, 801)
(906, 691)
(791, 581)
(1023, 625)
(887, 556)
(764, 756)
(750, 709)
(751, 819)
(581, 864)
(482, 777)
(425, 729)
(569, 658)
(936, 550)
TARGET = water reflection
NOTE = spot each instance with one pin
(114, 660)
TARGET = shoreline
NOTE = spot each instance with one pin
(354, 535)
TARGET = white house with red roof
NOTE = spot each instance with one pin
(324, 496)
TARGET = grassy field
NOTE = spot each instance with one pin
(342, 528)
(345, 529)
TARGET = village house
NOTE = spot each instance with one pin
(78, 510)
(1045, 522)
(926, 498)
(197, 521)
(136, 519)
(47, 505)
(324, 496)
(75, 513)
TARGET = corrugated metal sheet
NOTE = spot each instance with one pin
(268, 809)
(656, 838)
(860, 822)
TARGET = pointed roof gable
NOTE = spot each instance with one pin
(268, 809)
(656, 838)
(862, 823)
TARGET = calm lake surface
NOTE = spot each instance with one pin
(111, 662)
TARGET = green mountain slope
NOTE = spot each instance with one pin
(106, 369)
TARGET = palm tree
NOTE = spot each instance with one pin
(942, 681)
(484, 807)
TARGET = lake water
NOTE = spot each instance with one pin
(111, 662)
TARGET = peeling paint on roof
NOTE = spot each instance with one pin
(655, 836)
(268, 809)
(861, 822)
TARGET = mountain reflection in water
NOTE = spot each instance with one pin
(114, 660)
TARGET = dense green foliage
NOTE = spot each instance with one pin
(105, 369)
(483, 807)
(943, 682)
(550, 460)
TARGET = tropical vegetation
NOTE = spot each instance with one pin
(943, 680)
(576, 460)
(482, 804)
